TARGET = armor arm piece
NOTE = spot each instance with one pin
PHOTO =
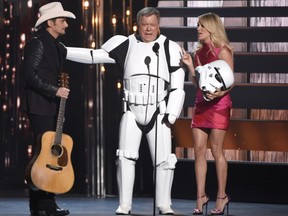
(91, 56)
(175, 104)
(176, 96)
(175, 53)
(88, 56)
(177, 76)
(113, 42)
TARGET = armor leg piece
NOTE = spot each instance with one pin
(129, 143)
(125, 178)
(164, 179)
(164, 165)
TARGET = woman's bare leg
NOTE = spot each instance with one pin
(200, 147)
(216, 139)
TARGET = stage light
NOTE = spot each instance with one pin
(135, 27)
(23, 37)
(86, 5)
(103, 69)
(114, 20)
(93, 45)
(119, 85)
(29, 3)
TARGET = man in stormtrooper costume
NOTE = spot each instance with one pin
(153, 97)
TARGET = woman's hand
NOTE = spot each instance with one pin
(187, 59)
(217, 94)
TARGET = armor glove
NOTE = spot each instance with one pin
(169, 119)
(165, 119)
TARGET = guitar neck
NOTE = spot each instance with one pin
(60, 121)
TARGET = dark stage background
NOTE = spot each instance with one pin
(93, 112)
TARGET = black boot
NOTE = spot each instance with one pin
(57, 212)
(43, 204)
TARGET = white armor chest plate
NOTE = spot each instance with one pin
(137, 53)
(140, 82)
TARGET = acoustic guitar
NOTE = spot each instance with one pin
(51, 169)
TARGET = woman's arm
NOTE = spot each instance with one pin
(226, 55)
(188, 61)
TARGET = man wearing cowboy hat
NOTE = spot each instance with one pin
(41, 66)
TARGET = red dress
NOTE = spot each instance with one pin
(215, 113)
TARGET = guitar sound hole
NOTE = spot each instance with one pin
(56, 150)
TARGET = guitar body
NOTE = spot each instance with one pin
(51, 169)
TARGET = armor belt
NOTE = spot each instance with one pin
(142, 89)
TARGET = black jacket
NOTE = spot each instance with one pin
(41, 68)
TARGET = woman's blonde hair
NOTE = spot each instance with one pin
(214, 25)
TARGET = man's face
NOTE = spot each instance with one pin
(149, 28)
(57, 27)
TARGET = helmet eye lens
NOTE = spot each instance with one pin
(218, 78)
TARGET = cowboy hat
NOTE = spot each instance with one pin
(52, 10)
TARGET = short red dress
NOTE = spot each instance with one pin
(210, 114)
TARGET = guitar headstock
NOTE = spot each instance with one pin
(64, 80)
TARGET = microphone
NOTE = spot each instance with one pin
(147, 61)
(155, 48)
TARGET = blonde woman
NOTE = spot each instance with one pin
(211, 117)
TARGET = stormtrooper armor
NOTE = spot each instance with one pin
(153, 92)
(215, 75)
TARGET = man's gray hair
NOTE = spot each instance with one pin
(148, 11)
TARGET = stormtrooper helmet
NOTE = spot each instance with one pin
(215, 75)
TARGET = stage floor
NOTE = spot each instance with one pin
(17, 205)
